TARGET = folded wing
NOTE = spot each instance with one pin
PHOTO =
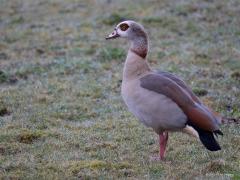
(175, 89)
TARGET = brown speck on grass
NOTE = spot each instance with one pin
(61, 113)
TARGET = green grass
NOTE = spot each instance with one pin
(61, 113)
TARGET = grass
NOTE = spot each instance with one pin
(61, 113)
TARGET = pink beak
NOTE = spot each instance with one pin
(113, 35)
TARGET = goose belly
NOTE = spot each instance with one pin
(153, 109)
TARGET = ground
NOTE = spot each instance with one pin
(61, 113)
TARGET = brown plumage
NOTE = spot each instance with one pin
(161, 100)
(196, 112)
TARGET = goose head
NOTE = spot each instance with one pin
(135, 33)
(128, 29)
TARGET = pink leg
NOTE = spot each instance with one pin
(163, 138)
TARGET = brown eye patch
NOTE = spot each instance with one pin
(124, 26)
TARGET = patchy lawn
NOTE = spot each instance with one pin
(61, 114)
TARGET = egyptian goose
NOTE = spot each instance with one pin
(162, 100)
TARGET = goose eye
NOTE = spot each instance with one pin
(124, 27)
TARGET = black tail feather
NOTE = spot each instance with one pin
(207, 138)
(216, 132)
